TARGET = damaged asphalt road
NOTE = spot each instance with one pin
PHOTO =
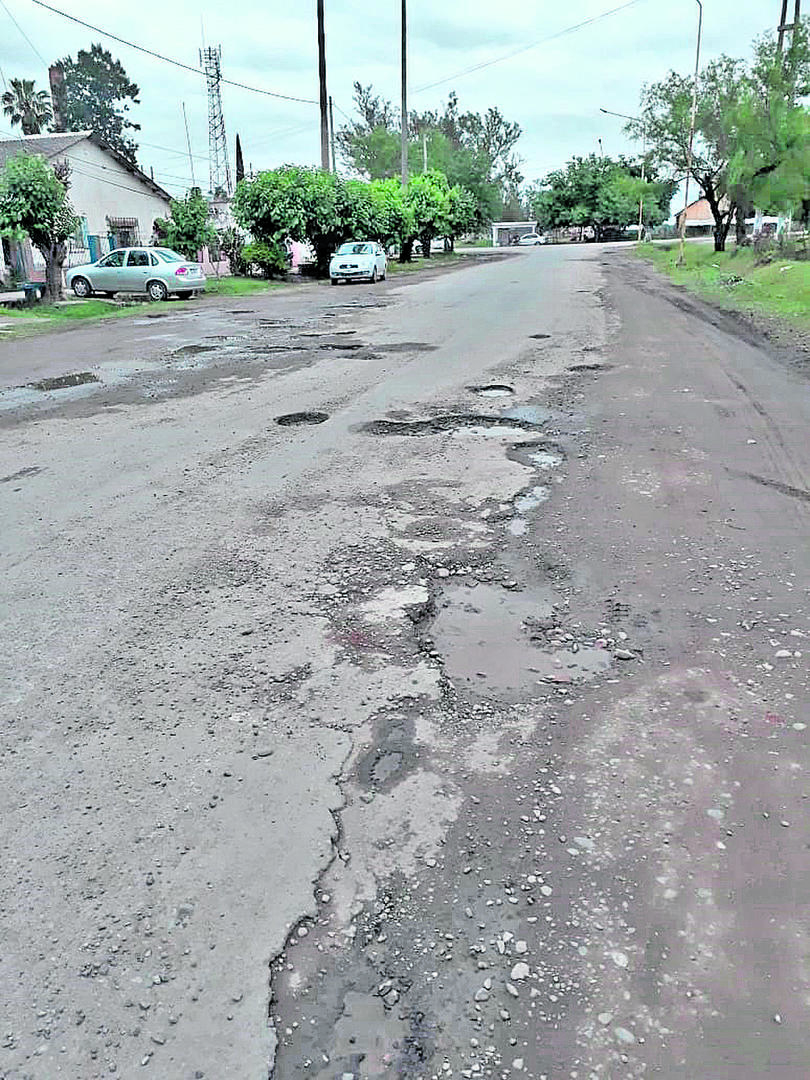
(435, 707)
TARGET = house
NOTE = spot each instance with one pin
(699, 218)
(116, 203)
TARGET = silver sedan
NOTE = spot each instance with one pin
(158, 272)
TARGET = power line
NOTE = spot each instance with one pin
(167, 59)
(27, 38)
(524, 48)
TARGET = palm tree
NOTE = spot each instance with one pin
(26, 106)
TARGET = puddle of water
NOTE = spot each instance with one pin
(291, 419)
(497, 432)
(545, 459)
(532, 499)
(386, 766)
(484, 635)
(531, 414)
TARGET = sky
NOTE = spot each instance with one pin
(554, 89)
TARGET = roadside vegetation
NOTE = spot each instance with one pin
(741, 279)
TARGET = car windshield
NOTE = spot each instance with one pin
(354, 249)
(170, 256)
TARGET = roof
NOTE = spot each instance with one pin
(54, 143)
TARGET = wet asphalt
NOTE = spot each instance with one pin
(409, 681)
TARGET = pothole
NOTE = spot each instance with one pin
(492, 390)
(530, 500)
(493, 640)
(439, 424)
(341, 346)
(406, 347)
(590, 367)
(539, 337)
(60, 382)
(193, 350)
(529, 414)
(387, 765)
(291, 419)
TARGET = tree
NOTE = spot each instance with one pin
(271, 208)
(393, 219)
(34, 202)
(462, 213)
(428, 197)
(240, 161)
(267, 258)
(95, 93)
(189, 229)
(232, 246)
(24, 105)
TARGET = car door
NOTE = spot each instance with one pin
(380, 259)
(106, 275)
(136, 271)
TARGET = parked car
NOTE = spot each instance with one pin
(531, 239)
(358, 260)
(158, 272)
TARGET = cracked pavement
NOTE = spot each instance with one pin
(454, 725)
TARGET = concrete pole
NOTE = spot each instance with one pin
(322, 82)
(691, 136)
(404, 125)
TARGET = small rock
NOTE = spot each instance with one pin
(783, 654)
(624, 654)
(520, 971)
(623, 1035)
(481, 995)
(517, 1064)
(512, 990)
(391, 998)
(264, 751)
(605, 1018)
(620, 959)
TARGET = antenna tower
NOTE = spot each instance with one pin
(219, 169)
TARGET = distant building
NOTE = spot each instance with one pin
(505, 233)
(116, 203)
(699, 217)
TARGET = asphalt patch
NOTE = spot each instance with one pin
(293, 419)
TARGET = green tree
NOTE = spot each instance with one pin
(462, 215)
(270, 207)
(393, 221)
(189, 229)
(232, 245)
(267, 258)
(26, 106)
(34, 202)
(665, 113)
(96, 93)
(428, 197)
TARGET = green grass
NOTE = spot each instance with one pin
(239, 286)
(739, 279)
(396, 267)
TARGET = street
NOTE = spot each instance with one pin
(407, 680)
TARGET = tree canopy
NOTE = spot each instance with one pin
(23, 104)
(96, 93)
(189, 229)
(34, 202)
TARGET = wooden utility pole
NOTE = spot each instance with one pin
(332, 134)
(404, 124)
(322, 81)
(188, 144)
(424, 151)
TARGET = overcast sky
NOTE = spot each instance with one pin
(553, 90)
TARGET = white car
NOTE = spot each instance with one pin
(154, 271)
(532, 239)
(359, 260)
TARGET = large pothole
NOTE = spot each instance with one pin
(293, 419)
(492, 390)
(61, 382)
(437, 424)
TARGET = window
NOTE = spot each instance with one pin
(170, 256)
(355, 249)
(138, 258)
(115, 258)
(153, 259)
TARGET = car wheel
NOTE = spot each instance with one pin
(335, 281)
(157, 290)
(185, 295)
(373, 278)
(81, 287)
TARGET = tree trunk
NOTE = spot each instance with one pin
(406, 252)
(721, 229)
(739, 226)
(426, 239)
(54, 255)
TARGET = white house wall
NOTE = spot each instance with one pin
(101, 188)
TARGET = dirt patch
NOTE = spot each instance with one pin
(61, 382)
(32, 470)
(193, 350)
(296, 418)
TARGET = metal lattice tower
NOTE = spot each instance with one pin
(219, 169)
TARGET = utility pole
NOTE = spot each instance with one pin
(322, 81)
(404, 124)
(424, 151)
(188, 144)
(332, 134)
(643, 122)
(784, 25)
(691, 136)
